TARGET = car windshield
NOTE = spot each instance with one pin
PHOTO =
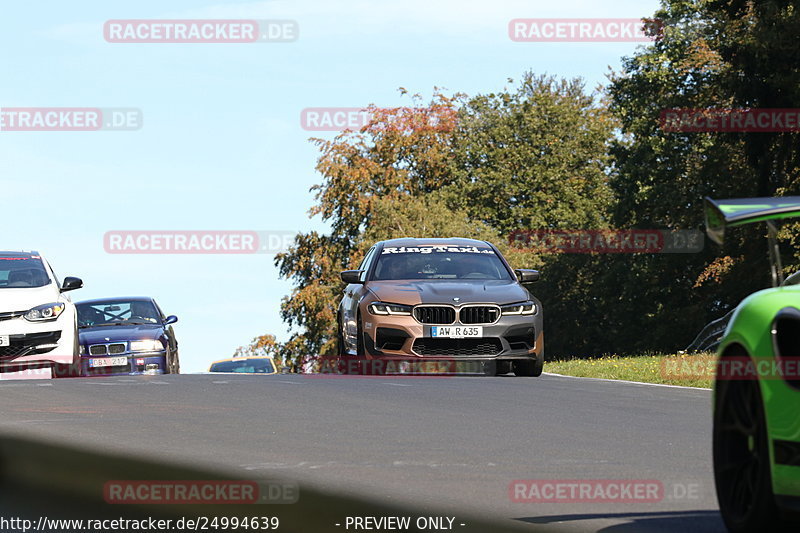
(116, 312)
(245, 366)
(439, 262)
(22, 271)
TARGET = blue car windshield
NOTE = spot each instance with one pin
(116, 312)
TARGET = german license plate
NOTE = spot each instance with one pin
(456, 332)
(4, 340)
(108, 361)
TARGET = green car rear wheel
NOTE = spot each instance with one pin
(741, 458)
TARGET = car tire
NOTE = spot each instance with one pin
(66, 371)
(356, 364)
(360, 350)
(72, 370)
(532, 368)
(340, 349)
(342, 357)
(741, 458)
(173, 366)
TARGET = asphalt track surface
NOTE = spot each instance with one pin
(454, 443)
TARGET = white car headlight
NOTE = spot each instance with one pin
(146, 346)
(524, 308)
(45, 312)
(383, 308)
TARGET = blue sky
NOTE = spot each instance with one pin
(221, 147)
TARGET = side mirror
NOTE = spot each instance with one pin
(70, 284)
(526, 275)
(351, 276)
(171, 319)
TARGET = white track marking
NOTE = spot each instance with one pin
(625, 381)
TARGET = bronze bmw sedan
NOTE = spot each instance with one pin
(441, 299)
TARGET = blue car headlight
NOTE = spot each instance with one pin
(146, 346)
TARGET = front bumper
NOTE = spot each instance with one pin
(136, 364)
(510, 338)
(38, 344)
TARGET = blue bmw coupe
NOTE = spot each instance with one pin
(126, 336)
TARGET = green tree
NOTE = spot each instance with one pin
(534, 157)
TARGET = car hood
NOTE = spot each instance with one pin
(23, 298)
(444, 291)
(103, 334)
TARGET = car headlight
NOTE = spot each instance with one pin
(524, 308)
(83, 349)
(45, 312)
(383, 308)
(146, 346)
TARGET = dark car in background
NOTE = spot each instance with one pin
(126, 336)
(245, 365)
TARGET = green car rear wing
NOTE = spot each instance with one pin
(721, 214)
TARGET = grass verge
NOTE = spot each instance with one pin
(678, 369)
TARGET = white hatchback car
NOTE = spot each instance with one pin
(38, 325)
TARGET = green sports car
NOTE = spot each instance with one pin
(756, 436)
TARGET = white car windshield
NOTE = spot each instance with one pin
(20, 271)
